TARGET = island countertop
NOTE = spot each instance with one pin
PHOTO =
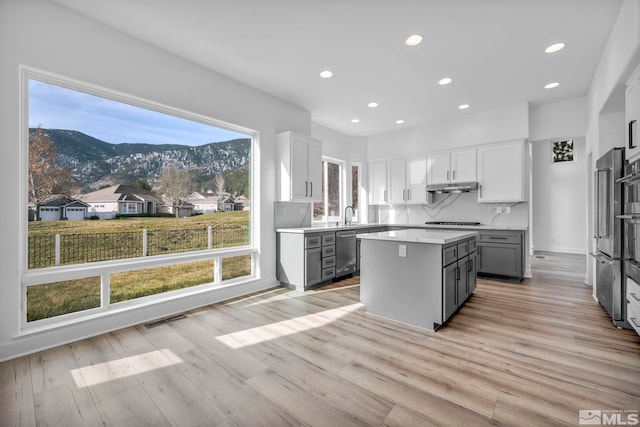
(420, 235)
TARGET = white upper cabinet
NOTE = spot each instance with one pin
(378, 182)
(299, 175)
(463, 166)
(438, 168)
(632, 115)
(398, 181)
(417, 180)
(407, 180)
(453, 166)
(501, 172)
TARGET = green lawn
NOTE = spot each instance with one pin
(59, 298)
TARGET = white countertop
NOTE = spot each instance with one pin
(333, 227)
(328, 227)
(466, 227)
(420, 235)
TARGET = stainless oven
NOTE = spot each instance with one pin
(631, 214)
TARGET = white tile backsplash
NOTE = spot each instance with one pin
(452, 207)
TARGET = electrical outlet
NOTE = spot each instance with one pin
(507, 209)
(499, 209)
(402, 251)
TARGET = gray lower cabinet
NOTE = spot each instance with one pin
(458, 275)
(358, 243)
(501, 253)
(313, 266)
(449, 281)
(305, 260)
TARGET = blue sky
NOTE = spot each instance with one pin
(55, 107)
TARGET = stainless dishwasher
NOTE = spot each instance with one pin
(345, 252)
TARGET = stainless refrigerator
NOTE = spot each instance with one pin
(609, 205)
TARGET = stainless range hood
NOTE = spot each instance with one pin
(453, 187)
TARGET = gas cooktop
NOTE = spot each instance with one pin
(451, 223)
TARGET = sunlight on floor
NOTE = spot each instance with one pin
(285, 327)
(124, 367)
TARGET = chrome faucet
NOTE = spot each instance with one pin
(347, 221)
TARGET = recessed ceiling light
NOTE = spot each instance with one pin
(355, 120)
(399, 122)
(372, 104)
(463, 106)
(413, 40)
(551, 85)
(554, 48)
(326, 74)
(445, 81)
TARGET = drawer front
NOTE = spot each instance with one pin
(328, 273)
(463, 249)
(633, 295)
(449, 255)
(328, 251)
(501, 237)
(473, 245)
(328, 239)
(633, 317)
(328, 262)
(312, 241)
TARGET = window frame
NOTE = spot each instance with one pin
(342, 190)
(357, 216)
(104, 269)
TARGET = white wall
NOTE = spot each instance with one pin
(46, 36)
(565, 119)
(620, 57)
(500, 124)
(559, 199)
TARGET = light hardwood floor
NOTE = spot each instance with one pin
(530, 353)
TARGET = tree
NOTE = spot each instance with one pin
(47, 176)
(141, 183)
(176, 185)
(220, 190)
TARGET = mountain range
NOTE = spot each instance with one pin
(94, 163)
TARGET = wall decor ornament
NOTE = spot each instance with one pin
(562, 151)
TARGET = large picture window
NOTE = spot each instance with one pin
(113, 180)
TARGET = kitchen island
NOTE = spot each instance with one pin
(417, 276)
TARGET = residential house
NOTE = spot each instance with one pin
(62, 207)
(185, 209)
(203, 202)
(121, 199)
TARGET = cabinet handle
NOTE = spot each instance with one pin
(497, 238)
(480, 191)
(633, 320)
(457, 273)
(469, 266)
(306, 188)
(454, 174)
(447, 175)
(631, 124)
(635, 296)
(408, 194)
(311, 195)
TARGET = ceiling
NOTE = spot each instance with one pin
(492, 49)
